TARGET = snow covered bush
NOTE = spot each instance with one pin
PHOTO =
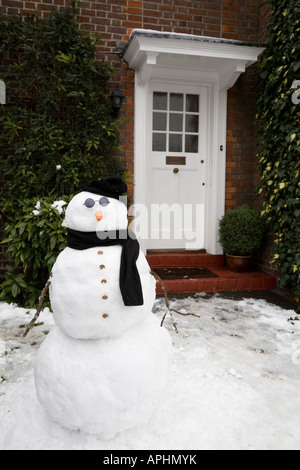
(34, 241)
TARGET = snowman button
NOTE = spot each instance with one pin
(104, 315)
(102, 266)
(104, 281)
(100, 253)
(104, 297)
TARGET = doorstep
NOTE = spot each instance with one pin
(225, 279)
(191, 259)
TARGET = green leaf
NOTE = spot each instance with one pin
(296, 66)
(15, 290)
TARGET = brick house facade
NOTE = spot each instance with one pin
(235, 24)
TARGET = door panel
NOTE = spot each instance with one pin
(177, 163)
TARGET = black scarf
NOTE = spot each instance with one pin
(129, 279)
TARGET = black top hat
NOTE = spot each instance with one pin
(111, 187)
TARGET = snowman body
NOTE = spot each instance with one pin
(103, 368)
(85, 294)
(103, 386)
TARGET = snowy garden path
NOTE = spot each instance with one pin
(234, 382)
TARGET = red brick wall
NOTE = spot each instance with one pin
(241, 163)
(264, 12)
(236, 19)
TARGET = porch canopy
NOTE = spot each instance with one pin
(151, 52)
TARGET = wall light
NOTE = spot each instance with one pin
(117, 99)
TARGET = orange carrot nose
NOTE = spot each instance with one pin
(99, 215)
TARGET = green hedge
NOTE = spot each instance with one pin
(56, 129)
(241, 231)
(56, 133)
(278, 119)
(35, 238)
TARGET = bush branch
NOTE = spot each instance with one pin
(170, 310)
(41, 300)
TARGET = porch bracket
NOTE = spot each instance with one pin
(228, 78)
(146, 68)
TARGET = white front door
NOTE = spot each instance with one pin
(177, 166)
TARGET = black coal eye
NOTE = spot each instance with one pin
(89, 202)
(104, 201)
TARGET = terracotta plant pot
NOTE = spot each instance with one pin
(238, 264)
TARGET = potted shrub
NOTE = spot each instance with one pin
(241, 233)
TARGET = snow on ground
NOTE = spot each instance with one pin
(234, 382)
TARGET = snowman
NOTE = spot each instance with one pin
(103, 367)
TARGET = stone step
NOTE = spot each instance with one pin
(184, 258)
(222, 279)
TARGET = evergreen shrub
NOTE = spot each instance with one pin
(56, 133)
(241, 231)
(35, 239)
(278, 119)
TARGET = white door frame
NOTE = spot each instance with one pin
(187, 239)
(216, 161)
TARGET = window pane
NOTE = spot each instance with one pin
(175, 143)
(191, 143)
(159, 121)
(192, 103)
(159, 142)
(191, 123)
(176, 102)
(176, 122)
(160, 100)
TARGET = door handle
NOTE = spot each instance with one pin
(175, 170)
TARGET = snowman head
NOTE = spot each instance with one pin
(98, 207)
